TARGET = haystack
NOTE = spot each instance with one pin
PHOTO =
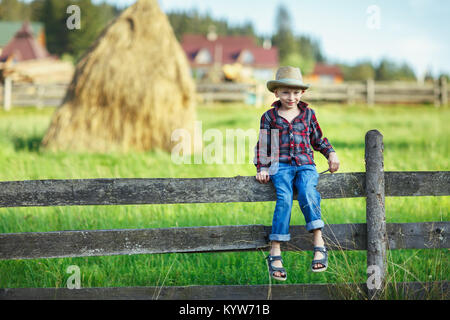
(130, 90)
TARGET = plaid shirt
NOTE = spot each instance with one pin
(281, 140)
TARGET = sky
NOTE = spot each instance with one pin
(412, 31)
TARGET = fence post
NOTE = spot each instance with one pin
(375, 213)
(7, 88)
(350, 94)
(259, 95)
(370, 89)
(436, 93)
(443, 91)
(40, 96)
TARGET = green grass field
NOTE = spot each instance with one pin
(415, 138)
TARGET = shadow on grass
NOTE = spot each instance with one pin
(29, 143)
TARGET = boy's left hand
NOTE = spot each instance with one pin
(333, 162)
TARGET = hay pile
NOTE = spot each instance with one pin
(130, 90)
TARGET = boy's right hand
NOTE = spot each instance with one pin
(263, 176)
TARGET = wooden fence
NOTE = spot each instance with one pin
(375, 236)
(370, 93)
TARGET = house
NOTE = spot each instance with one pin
(324, 73)
(23, 45)
(24, 58)
(232, 58)
(9, 28)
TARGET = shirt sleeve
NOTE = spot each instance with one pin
(263, 147)
(317, 142)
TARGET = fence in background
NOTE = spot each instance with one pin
(375, 236)
(370, 93)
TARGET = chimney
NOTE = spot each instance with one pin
(267, 44)
(212, 35)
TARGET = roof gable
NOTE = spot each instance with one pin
(23, 46)
(229, 50)
(9, 28)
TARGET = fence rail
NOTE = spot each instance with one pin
(331, 291)
(375, 236)
(87, 243)
(370, 92)
(206, 190)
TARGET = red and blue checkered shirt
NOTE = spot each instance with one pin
(279, 139)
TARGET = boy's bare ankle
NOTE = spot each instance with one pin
(275, 249)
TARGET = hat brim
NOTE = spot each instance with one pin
(273, 84)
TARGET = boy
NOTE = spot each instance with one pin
(288, 133)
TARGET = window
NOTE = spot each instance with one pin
(247, 57)
(203, 57)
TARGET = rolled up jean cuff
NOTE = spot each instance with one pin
(313, 225)
(279, 237)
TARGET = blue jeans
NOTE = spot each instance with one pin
(305, 179)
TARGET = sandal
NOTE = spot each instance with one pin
(323, 261)
(273, 269)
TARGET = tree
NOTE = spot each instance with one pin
(53, 15)
(359, 72)
(284, 38)
(14, 10)
(192, 22)
(93, 20)
(60, 39)
(388, 71)
(295, 59)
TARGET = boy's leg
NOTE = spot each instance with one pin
(275, 250)
(309, 198)
(283, 182)
(318, 242)
(309, 201)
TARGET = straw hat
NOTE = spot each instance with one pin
(287, 77)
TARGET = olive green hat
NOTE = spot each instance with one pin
(287, 77)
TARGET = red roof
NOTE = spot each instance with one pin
(227, 49)
(24, 46)
(323, 69)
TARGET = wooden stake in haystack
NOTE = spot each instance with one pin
(130, 90)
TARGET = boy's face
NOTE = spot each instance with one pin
(289, 97)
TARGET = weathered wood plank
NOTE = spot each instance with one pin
(204, 190)
(84, 243)
(211, 292)
(375, 213)
(159, 190)
(417, 183)
(331, 291)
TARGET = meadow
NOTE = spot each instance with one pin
(416, 138)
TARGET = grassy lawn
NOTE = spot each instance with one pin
(416, 138)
